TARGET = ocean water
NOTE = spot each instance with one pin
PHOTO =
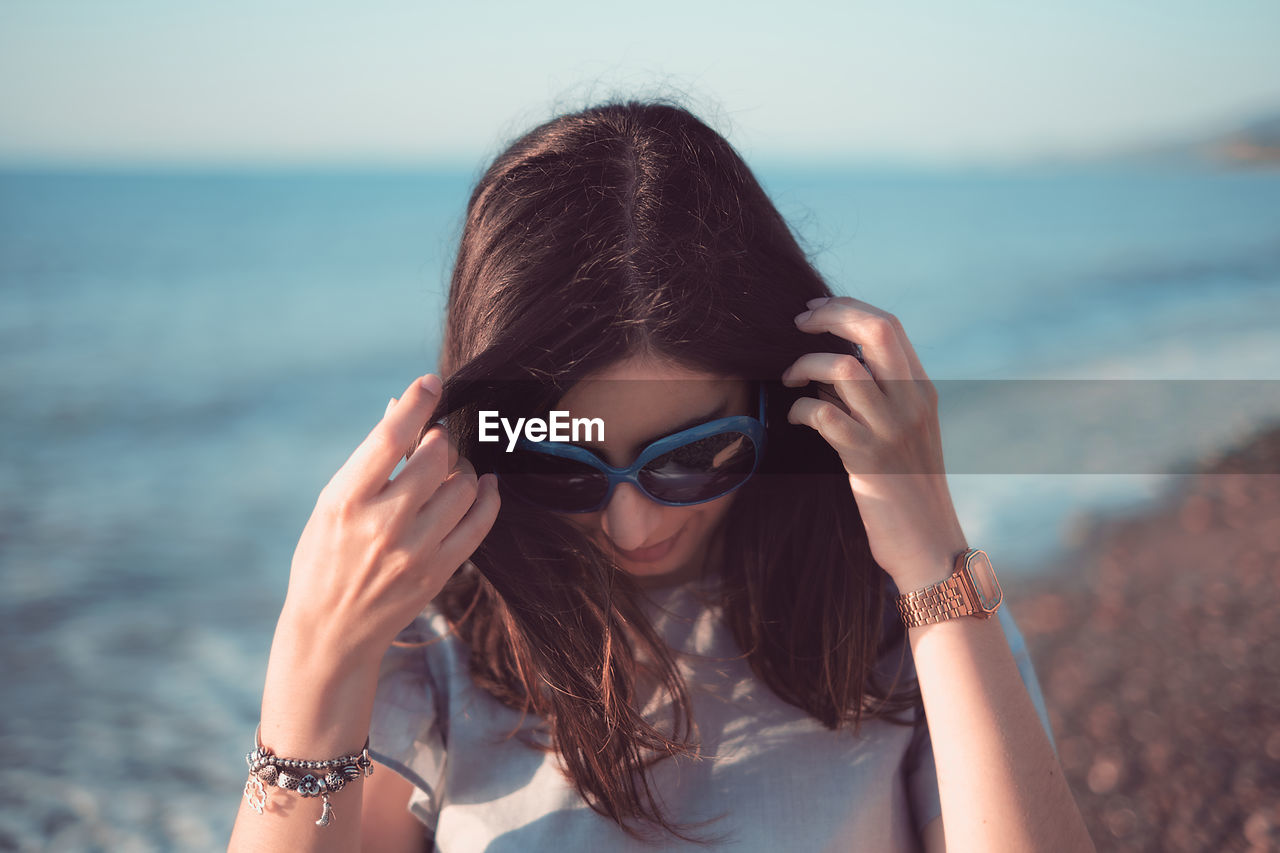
(187, 358)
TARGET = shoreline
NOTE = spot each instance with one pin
(1155, 640)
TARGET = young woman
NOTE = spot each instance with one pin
(687, 631)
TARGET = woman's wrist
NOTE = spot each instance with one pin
(318, 699)
(927, 568)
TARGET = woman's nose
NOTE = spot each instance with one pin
(630, 519)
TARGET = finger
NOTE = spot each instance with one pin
(368, 468)
(850, 384)
(444, 425)
(450, 443)
(917, 369)
(461, 542)
(840, 430)
(446, 508)
(390, 405)
(428, 466)
(440, 427)
(879, 334)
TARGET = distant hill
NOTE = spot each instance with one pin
(1253, 144)
(1250, 144)
(1257, 143)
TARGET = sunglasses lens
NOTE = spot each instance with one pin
(701, 470)
(554, 482)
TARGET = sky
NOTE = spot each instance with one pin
(394, 83)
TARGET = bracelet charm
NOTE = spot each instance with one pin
(308, 777)
(255, 794)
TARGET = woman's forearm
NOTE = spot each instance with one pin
(374, 553)
(1000, 783)
(313, 707)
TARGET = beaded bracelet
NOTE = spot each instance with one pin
(326, 777)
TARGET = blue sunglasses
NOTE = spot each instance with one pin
(693, 466)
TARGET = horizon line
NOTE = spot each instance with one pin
(475, 165)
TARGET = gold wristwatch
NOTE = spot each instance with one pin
(971, 590)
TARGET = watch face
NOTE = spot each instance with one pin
(984, 581)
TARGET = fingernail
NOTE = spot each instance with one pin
(818, 300)
(432, 383)
(390, 403)
(805, 316)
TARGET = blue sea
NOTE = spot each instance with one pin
(187, 357)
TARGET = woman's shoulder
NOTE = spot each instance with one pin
(426, 645)
(409, 726)
(429, 626)
(417, 685)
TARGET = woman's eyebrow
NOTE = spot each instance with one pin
(691, 422)
(715, 413)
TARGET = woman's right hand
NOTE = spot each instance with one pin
(377, 550)
(374, 553)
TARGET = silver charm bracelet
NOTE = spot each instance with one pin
(308, 778)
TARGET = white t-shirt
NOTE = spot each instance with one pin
(782, 780)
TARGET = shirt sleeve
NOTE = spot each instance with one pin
(922, 770)
(407, 731)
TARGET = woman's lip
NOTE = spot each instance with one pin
(655, 552)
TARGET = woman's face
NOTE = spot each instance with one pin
(641, 400)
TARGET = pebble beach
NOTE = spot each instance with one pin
(1157, 644)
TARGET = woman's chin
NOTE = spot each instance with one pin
(673, 577)
(677, 568)
(647, 570)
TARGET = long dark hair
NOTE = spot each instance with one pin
(634, 228)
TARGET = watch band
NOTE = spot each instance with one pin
(948, 599)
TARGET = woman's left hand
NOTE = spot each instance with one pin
(885, 427)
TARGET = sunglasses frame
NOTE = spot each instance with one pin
(753, 427)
